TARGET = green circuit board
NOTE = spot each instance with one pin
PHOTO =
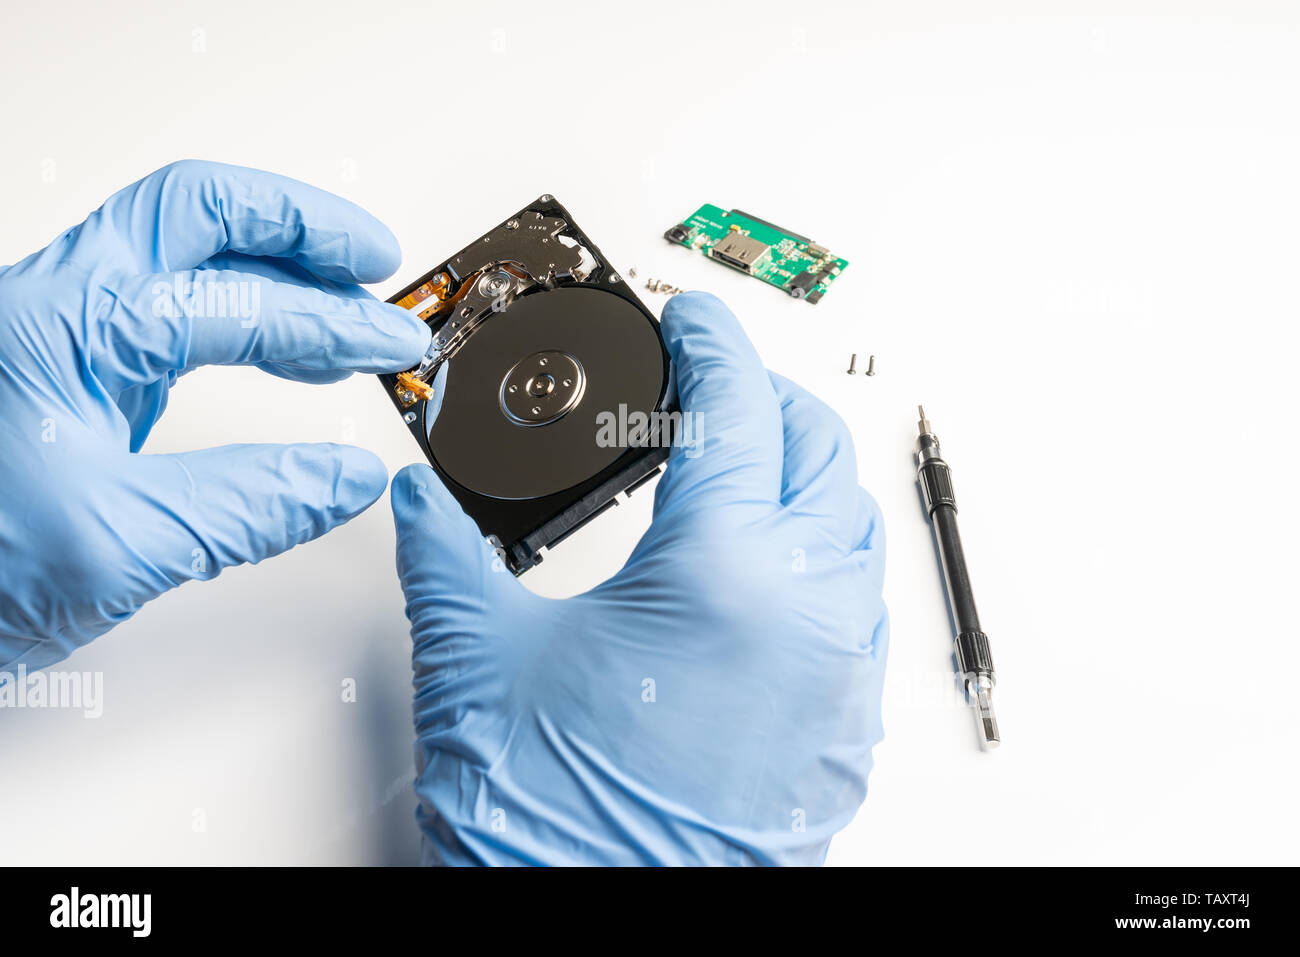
(780, 258)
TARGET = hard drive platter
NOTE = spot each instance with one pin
(540, 343)
(567, 354)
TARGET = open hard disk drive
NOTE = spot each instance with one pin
(541, 357)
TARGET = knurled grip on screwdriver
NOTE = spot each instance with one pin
(936, 485)
(973, 655)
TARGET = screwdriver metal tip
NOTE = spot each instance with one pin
(987, 719)
(923, 426)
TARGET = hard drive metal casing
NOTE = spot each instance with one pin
(520, 528)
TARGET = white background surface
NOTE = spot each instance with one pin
(1073, 236)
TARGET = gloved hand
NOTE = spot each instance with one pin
(197, 264)
(714, 702)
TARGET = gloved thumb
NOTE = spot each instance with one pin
(243, 503)
(451, 576)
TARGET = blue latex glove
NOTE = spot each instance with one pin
(197, 264)
(716, 701)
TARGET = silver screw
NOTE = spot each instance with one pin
(871, 366)
(853, 364)
(408, 418)
(512, 224)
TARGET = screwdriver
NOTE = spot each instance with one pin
(974, 660)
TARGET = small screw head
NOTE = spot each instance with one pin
(853, 364)
(408, 418)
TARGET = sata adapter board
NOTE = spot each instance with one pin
(760, 249)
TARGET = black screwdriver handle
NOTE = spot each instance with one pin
(973, 654)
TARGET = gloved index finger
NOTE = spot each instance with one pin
(148, 326)
(189, 211)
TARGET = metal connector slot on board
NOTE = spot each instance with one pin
(740, 252)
